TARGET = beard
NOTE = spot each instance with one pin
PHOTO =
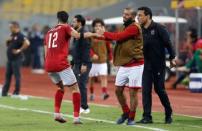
(128, 22)
(76, 27)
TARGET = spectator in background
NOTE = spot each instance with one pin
(81, 60)
(101, 51)
(186, 53)
(198, 44)
(194, 65)
(191, 39)
(16, 44)
(27, 53)
(45, 29)
(36, 40)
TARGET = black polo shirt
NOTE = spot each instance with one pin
(16, 42)
(156, 40)
(81, 50)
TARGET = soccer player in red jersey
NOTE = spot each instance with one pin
(128, 56)
(57, 66)
(101, 51)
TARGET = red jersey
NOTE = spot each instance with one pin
(130, 31)
(57, 43)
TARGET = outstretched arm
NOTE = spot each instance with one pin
(130, 31)
(78, 35)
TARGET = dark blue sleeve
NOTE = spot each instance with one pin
(21, 38)
(165, 37)
(85, 53)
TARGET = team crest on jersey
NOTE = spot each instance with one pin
(152, 32)
(15, 38)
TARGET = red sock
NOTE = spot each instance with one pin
(104, 90)
(76, 98)
(125, 109)
(91, 89)
(132, 115)
(58, 100)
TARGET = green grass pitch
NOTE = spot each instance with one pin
(36, 114)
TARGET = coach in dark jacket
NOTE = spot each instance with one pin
(81, 60)
(16, 44)
(156, 40)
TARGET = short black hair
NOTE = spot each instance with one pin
(15, 23)
(98, 20)
(81, 19)
(147, 10)
(62, 16)
(194, 34)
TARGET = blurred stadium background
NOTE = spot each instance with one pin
(43, 12)
(28, 12)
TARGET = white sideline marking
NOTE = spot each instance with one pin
(68, 101)
(70, 116)
(199, 117)
(101, 105)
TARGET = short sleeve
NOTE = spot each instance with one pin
(22, 38)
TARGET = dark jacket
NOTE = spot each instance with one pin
(16, 42)
(156, 41)
(81, 50)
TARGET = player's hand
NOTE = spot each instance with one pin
(98, 35)
(182, 69)
(83, 69)
(111, 62)
(173, 63)
(95, 57)
(88, 34)
(16, 51)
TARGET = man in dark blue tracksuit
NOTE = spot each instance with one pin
(82, 61)
(156, 40)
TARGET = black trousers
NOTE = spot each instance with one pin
(12, 67)
(82, 79)
(156, 77)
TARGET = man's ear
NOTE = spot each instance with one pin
(80, 24)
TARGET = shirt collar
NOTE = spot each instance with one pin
(150, 26)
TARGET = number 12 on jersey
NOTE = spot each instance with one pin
(52, 40)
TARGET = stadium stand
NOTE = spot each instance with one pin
(13, 9)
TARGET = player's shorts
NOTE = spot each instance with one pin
(98, 69)
(130, 76)
(66, 76)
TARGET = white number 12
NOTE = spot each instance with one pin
(54, 37)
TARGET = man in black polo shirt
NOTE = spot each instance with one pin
(16, 44)
(156, 40)
(82, 61)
